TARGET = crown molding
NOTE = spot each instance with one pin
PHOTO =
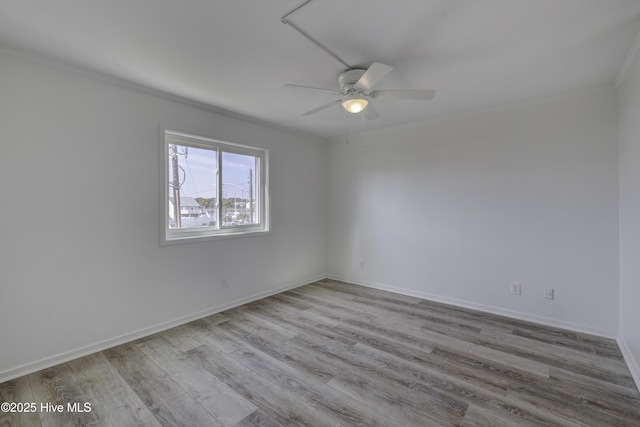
(142, 88)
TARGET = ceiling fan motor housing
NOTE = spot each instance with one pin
(349, 78)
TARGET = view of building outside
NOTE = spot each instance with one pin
(193, 182)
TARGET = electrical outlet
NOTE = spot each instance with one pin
(548, 293)
(224, 283)
(515, 288)
(362, 264)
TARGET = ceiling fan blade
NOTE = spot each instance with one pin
(315, 89)
(403, 94)
(322, 107)
(370, 113)
(376, 72)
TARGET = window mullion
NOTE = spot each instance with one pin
(219, 189)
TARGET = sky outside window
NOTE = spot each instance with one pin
(198, 173)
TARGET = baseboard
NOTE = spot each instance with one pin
(575, 327)
(632, 363)
(48, 362)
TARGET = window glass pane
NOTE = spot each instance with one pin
(240, 189)
(193, 183)
(213, 189)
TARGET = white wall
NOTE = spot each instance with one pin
(630, 217)
(456, 209)
(74, 283)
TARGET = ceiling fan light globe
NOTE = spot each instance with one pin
(355, 105)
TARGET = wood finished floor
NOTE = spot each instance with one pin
(334, 354)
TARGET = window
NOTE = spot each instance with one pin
(212, 189)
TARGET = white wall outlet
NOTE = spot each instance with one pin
(515, 288)
(548, 293)
(362, 265)
(224, 283)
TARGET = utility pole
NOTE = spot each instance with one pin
(251, 196)
(173, 152)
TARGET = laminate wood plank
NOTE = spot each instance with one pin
(258, 418)
(296, 321)
(248, 337)
(281, 350)
(359, 375)
(600, 342)
(214, 335)
(182, 337)
(337, 406)
(427, 390)
(279, 403)
(329, 299)
(55, 384)
(492, 375)
(312, 362)
(483, 319)
(184, 411)
(437, 321)
(583, 407)
(320, 291)
(385, 344)
(18, 391)
(60, 386)
(204, 388)
(293, 303)
(399, 333)
(481, 417)
(448, 366)
(570, 358)
(591, 345)
(581, 398)
(596, 365)
(612, 370)
(322, 338)
(338, 310)
(625, 398)
(123, 407)
(420, 313)
(424, 379)
(603, 398)
(305, 361)
(292, 323)
(96, 375)
(266, 329)
(573, 349)
(398, 340)
(370, 293)
(376, 309)
(392, 404)
(490, 355)
(385, 318)
(428, 338)
(152, 384)
(321, 335)
(213, 319)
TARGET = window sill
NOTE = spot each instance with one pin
(177, 240)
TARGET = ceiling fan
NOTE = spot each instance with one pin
(355, 91)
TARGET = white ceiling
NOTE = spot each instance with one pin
(237, 54)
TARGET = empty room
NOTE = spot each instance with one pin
(320, 213)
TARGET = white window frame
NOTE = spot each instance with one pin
(170, 236)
